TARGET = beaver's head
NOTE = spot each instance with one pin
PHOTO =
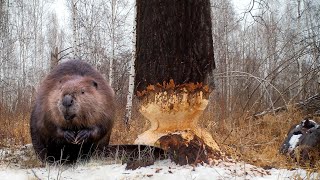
(78, 99)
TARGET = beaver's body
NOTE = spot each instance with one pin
(73, 113)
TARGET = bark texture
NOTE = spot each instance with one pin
(174, 41)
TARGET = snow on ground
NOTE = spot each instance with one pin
(161, 170)
(12, 160)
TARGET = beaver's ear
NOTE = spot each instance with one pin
(95, 84)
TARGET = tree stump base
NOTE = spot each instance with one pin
(174, 127)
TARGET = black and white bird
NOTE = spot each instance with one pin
(306, 137)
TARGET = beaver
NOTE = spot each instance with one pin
(73, 114)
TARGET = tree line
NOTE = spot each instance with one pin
(266, 56)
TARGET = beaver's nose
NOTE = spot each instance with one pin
(67, 101)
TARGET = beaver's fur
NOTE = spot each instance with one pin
(73, 113)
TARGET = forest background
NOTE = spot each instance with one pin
(267, 56)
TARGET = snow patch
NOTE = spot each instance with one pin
(164, 169)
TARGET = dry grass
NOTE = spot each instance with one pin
(14, 129)
(122, 134)
(255, 141)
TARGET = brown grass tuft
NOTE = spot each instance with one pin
(14, 129)
(121, 134)
(256, 141)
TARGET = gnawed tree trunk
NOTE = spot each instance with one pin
(174, 55)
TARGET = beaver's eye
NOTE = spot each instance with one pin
(82, 91)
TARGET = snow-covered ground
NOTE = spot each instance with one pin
(161, 170)
(14, 161)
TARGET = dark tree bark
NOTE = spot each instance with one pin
(174, 41)
(174, 55)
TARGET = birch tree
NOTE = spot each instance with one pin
(75, 28)
(131, 72)
(113, 16)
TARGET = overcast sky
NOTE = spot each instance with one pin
(62, 11)
(241, 5)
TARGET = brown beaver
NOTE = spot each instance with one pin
(73, 113)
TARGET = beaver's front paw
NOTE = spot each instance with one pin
(82, 136)
(70, 136)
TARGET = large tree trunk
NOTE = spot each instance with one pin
(174, 41)
(174, 55)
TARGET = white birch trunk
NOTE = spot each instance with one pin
(113, 14)
(132, 71)
(74, 28)
(228, 85)
(300, 60)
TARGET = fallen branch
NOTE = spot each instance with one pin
(310, 106)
